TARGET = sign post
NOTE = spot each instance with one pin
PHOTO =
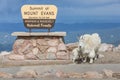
(39, 16)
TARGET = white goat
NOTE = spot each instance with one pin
(87, 47)
(76, 54)
(89, 44)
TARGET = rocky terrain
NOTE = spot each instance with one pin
(106, 67)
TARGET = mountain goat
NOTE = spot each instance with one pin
(87, 47)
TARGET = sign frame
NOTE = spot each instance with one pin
(39, 16)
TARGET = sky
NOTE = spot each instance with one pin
(69, 11)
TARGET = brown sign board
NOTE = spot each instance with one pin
(39, 16)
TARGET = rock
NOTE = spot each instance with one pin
(47, 74)
(62, 55)
(107, 73)
(101, 56)
(22, 48)
(52, 50)
(117, 49)
(41, 56)
(51, 56)
(62, 47)
(53, 42)
(61, 74)
(42, 42)
(16, 57)
(71, 46)
(106, 47)
(19, 41)
(74, 75)
(26, 74)
(92, 75)
(5, 75)
(43, 48)
(25, 48)
(116, 75)
(16, 47)
(35, 51)
(34, 43)
(30, 56)
(61, 40)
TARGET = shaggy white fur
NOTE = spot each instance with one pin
(87, 47)
(76, 54)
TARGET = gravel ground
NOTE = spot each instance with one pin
(55, 79)
(111, 61)
(69, 68)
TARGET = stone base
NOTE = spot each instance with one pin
(39, 46)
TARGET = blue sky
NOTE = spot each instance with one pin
(69, 11)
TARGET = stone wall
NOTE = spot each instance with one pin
(39, 46)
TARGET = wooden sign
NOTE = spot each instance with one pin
(39, 16)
